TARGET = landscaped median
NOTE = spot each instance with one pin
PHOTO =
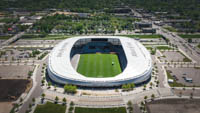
(143, 36)
(45, 37)
(189, 35)
(171, 29)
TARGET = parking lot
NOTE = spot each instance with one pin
(15, 72)
(174, 106)
(182, 73)
(36, 42)
(172, 56)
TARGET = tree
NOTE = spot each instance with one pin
(144, 87)
(191, 95)
(189, 40)
(30, 106)
(17, 106)
(151, 84)
(132, 86)
(184, 87)
(55, 87)
(180, 93)
(33, 100)
(56, 99)
(70, 88)
(21, 100)
(124, 87)
(129, 103)
(43, 95)
(157, 83)
(42, 99)
(193, 87)
(152, 96)
(145, 98)
(42, 81)
(72, 103)
(64, 101)
(49, 84)
(30, 73)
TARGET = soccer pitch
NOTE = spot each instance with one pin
(99, 65)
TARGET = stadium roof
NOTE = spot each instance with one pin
(138, 60)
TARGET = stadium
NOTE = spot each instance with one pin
(99, 61)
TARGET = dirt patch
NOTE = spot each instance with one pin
(5, 107)
(174, 106)
(15, 72)
(11, 89)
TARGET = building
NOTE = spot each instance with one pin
(149, 30)
(140, 25)
(134, 58)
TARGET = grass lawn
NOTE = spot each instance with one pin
(149, 48)
(189, 36)
(50, 108)
(171, 29)
(198, 46)
(48, 37)
(100, 110)
(163, 47)
(99, 65)
(5, 37)
(143, 36)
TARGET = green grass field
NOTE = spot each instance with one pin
(189, 35)
(171, 29)
(47, 37)
(100, 110)
(163, 47)
(142, 36)
(99, 65)
(198, 46)
(50, 108)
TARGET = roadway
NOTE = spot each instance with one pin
(36, 90)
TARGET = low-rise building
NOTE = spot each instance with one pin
(140, 25)
(148, 30)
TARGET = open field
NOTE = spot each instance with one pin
(47, 37)
(99, 65)
(171, 29)
(12, 72)
(174, 106)
(5, 37)
(100, 110)
(11, 89)
(189, 36)
(143, 36)
(5, 107)
(50, 108)
(163, 47)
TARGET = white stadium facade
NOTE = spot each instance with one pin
(135, 60)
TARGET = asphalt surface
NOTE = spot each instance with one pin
(37, 91)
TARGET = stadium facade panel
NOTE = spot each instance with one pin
(136, 66)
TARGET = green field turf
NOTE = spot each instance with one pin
(50, 108)
(190, 36)
(142, 36)
(100, 110)
(99, 65)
